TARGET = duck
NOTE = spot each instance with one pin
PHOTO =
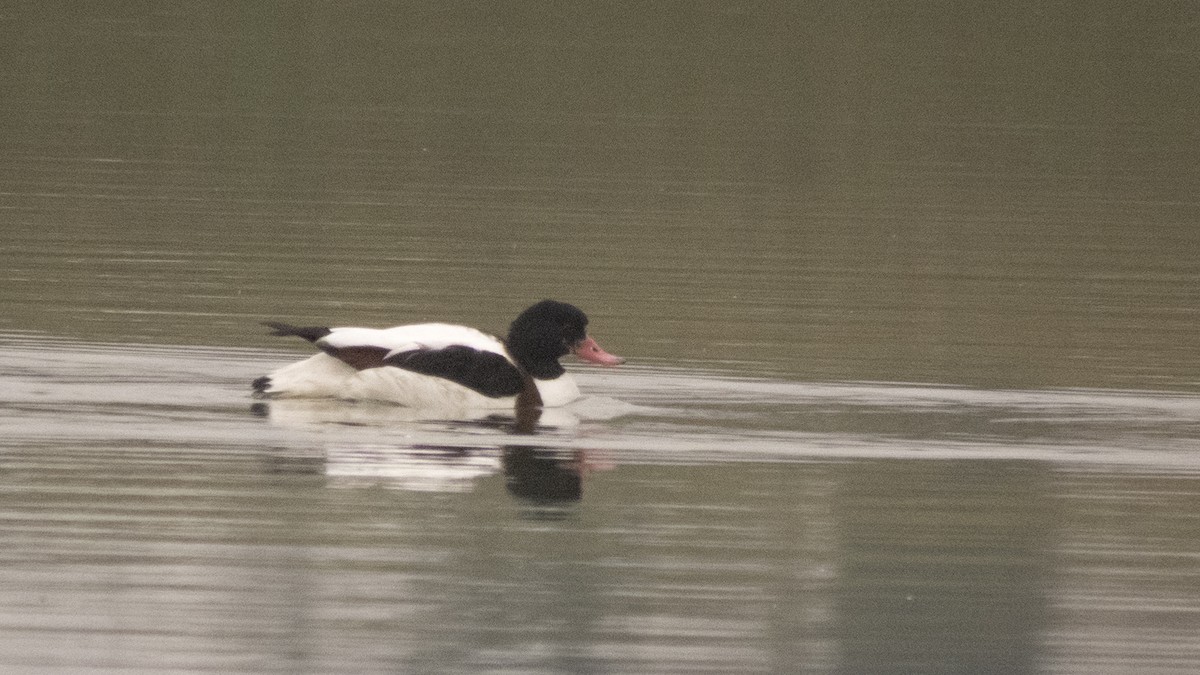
(442, 366)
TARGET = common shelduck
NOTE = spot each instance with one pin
(443, 366)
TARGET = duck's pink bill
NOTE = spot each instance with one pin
(589, 351)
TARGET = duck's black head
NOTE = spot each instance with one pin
(548, 331)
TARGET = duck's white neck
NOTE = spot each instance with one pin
(557, 392)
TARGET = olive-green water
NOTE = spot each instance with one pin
(910, 294)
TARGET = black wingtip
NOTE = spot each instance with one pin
(261, 385)
(310, 333)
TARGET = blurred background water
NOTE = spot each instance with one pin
(909, 290)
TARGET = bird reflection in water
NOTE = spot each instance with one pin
(537, 475)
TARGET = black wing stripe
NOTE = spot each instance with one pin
(488, 373)
(359, 358)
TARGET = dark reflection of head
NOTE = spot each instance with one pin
(541, 476)
(537, 475)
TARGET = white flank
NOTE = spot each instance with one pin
(318, 376)
(323, 376)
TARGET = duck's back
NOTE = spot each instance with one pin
(433, 365)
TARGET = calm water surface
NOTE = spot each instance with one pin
(910, 295)
(674, 520)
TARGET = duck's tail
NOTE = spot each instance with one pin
(310, 333)
(296, 378)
